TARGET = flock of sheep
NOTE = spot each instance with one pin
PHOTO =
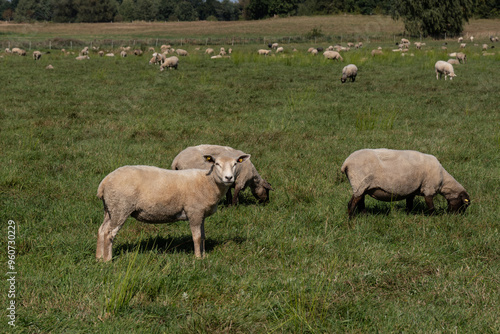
(200, 176)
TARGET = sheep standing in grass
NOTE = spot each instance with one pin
(170, 62)
(18, 51)
(245, 175)
(264, 52)
(461, 57)
(393, 175)
(209, 51)
(332, 55)
(82, 58)
(453, 61)
(349, 72)
(181, 52)
(123, 53)
(445, 68)
(279, 49)
(155, 195)
(37, 55)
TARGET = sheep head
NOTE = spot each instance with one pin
(224, 167)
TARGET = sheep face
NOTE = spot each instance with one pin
(225, 167)
(459, 204)
(261, 191)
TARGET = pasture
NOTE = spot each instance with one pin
(295, 265)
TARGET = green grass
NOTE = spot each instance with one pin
(296, 265)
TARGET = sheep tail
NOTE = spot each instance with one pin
(100, 189)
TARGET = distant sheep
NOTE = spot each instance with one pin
(181, 52)
(170, 62)
(101, 53)
(453, 61)
(314, 52)
(138, 52)
(460, 39)
(264, 52)
(462, 45)
(485, 47)
(279, 49)
(445, 68)
(111, 54)
(84, 51)
(376, 52)
(461, 57)
(349, 72)
(123, 53)
(209, 51)
(246, 174)
(394, 175)
(18, 51)
(82, 58)
(37, 55)
(155, 195)
(274, 46)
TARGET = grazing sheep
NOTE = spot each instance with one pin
(151, 49)
(209, 51)
(111, 54)
(445, 68)
(101, 53)
(7, 50)
(453, 54)
(485, 47)
(49, 67)
(138, 52)
(418, 45)
(376, 52)
(264, 52)
(230, 51)
(37, 55)
(181, 52)
(18, 51)
(460, 39)
(279, 49)
(462, 45)
(310, 50)
(170, 62)
(84, 51)
(453, 61)
(123, 53)
(314, 52)
(472, 39)
(274, 46)
(350, 45)
(393, 175)
(164, 47)
(245, 174)
(155, 195)
(82, 57)
(462, 58)
(349, 71)
(158, 58)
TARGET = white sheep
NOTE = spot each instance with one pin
(279, 49)
(445, 68)
(138, 52)
(7, 50)
(314, 52)
(394, 175)
(461, 57)
(264, 52)
(84, 51)
(111, 54)
(418, 45)
(332, 55)
(170, 62)
(472, 39)
(246, 174)
(37, 55)
(123, 53)
(349, 71)
(82, 57)
(377, 52)
(485, 47)
(453, 61)
(155, 195)
(181, 52)
(274, 45)
(18, 51)
(209, 51)
(463, 45)
(310, 50)
(101, 53)
(460, 39)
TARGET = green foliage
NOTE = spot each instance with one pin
(96, 10)
(314, 33)
(433, 18)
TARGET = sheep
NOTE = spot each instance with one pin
(155, 195)
(453, 61)
(37, 55)
(84, 51)
(445, 68)
(376, 52)
(460, 39)
(350, 45)
(164, 47)
(472, 39)
(462, 45)
(18, 51)
(349, 71)
(138, 52)
(462, 58)
(101, 53)
(279, 49)
(245, 175)
(82, 57)
(209, 51)
(264, 52)
(314, 52)
(7, 50)
(49, 67)
(170, 62)
(310, 50)
(181, 52)
(418, 45)
(394, 175)
(274, 46)
(151, 49)
(485, 47)
(123, 53)
(230, 51)
(453, 54)
(111, 54)
(158, 58)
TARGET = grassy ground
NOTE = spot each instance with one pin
(295, 265)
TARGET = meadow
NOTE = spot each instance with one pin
(294, 265)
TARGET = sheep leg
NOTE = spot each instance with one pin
(353, 203)
(409, 204)
(197, 226)
(430, 203)
(237, 190)
(228, 197)
(106, 234)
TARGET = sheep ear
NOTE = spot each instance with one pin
(243, 158)
(209, 158)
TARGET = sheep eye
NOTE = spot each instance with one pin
(240, 160)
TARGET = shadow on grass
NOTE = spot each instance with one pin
(182, 244)
(384, 209)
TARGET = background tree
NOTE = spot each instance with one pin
(184, 11)
(146, 10)
(96, 10)
(433, 18)
(127, 10)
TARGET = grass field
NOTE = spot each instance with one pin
(295, 265)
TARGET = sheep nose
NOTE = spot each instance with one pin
(229, 178)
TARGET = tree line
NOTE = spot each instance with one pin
(427, 17)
